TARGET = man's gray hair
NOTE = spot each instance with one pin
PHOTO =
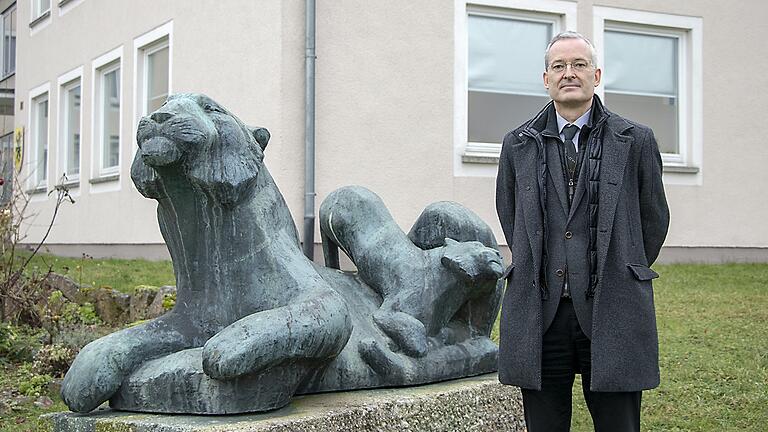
(569, 34)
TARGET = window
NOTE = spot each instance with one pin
(500, 60)
(71, 103)
(9, 41)
(109, 118)
(154, 53)
(6, 168)
(156, 77)
(106, 119)
(504, 76)
(40, 139)
(40, 8)
(652, 74)
(643, 82)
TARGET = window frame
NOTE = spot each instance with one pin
(144, 45)
(7, 167)
(3, 54)
(37, 14)
(475, 158)
(66, 83)
(146, 53)
(116, 68)
(680, 157)
(34, 182)
(65, 6)
(101, 66)
(685, 166)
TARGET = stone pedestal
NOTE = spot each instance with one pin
(478, 403)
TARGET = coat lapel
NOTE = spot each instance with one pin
(615, 151)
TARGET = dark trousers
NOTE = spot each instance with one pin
(566, 351)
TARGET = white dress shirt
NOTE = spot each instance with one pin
(580, 122)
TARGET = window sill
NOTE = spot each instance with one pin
(37, 190)
(105, 179)
(63, 2)
(41, 18)
(481, 153)
(477, 158)
(71, 183)
(682, 169)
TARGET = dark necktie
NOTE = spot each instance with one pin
(570, 158)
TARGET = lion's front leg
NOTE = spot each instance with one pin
(101, 366)
(315, 327)
(472, 356)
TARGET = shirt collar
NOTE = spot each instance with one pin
(580, 122)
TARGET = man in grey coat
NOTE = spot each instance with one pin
(581, 202)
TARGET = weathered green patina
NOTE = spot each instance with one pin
(254, 321)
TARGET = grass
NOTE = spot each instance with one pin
(21, 414)
(713, 342)
(713, 330)
(122, 275)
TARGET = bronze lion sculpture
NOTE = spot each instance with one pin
(255, 321)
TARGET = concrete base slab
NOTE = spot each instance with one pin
(478, 403)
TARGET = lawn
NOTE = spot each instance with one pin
(19, 413)
(122, 275)
(713, 338)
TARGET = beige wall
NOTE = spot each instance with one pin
(384, 101)
(385, 104)
(205, 47)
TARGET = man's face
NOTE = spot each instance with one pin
(571, 87)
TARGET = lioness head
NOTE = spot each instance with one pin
(472, 261)
(204, 142)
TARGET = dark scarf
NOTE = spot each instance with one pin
(595, 152)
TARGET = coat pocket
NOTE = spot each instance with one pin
(642, 272)
(508, 272)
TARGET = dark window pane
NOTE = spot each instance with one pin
(660, 113)
(492, 115)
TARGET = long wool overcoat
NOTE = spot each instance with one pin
(632, 223)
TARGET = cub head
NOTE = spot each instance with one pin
(472, 261)
(194, 137)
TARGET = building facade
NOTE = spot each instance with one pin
(412, 99)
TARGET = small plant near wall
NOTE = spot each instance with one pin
(22, 287)
(83, 259)
(17, 345)
(169, 301)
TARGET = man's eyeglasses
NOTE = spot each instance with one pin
(578, 66)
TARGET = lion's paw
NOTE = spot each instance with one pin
(92, 379)
(385, 363)
(406, 331)
(222, 360)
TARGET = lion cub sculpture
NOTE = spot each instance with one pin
(256, 322)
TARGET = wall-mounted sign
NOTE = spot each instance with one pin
(18, 147)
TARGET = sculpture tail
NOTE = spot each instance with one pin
(329, 238)
(330, 251)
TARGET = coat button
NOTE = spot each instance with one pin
(559, 272)
(527, 188)
(568, 234)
